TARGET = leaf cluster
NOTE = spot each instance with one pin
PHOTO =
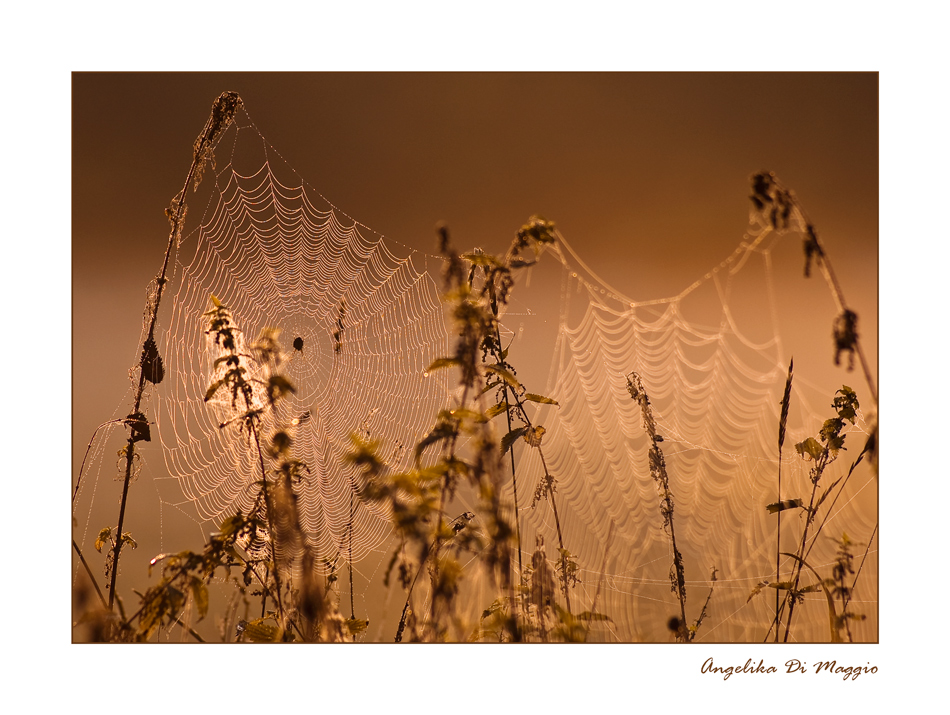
(187, 574)
(830, 441)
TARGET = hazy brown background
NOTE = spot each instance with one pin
(646, 174)
(637, 170)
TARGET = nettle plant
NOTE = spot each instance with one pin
(462, 449)
(268, 545)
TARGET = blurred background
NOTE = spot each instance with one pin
(647, 175)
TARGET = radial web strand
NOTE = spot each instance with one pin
(360, 319)
(358, 324)
(713, 362)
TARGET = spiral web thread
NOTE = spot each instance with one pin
(365, 323)
(715, 384)
(711, 359)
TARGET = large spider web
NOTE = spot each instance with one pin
(366, 316)
(713, 361)
(358, 323)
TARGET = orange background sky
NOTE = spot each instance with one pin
(647, 173)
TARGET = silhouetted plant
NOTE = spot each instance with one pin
(821, 451)
(477, 287)
(150, 366)
(782, 210)
(679, 626)
(268, 544)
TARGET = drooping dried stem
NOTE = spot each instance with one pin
(222, 114)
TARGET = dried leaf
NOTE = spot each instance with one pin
(138, 425)
(534, 435)
(783, 505)
(152, 369)
(104, 535)
(279, 386)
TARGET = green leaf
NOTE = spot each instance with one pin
(442, 363)
(531, 397)
(176, 599)
(356, 625)
(127, 539)
(260, 632)
(104, 535)
(847, 404)
(509, 439)
(200, 593)
(504, 375)
(495, 410)
(810, 449)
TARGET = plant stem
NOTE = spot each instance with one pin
(659, 475)
(560, 538)
(270, 525)
(221, 115)
(847, 598)
(778, 541)
(824, 263)
(603, 574)
(783, 420)
(92, 578)
(820, 468)
(350, 555)
(514, 480)
(82, 466)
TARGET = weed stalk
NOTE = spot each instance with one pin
(658, 472)
(783, 420)
(150, 370)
